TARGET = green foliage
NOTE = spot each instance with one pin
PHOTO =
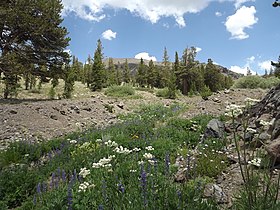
(254, 81)
(212, 77)
(97, 78)
(120, 91)
(34, 28)
(165, 93)
(109, 108)
(126, 73)
(141, 76)
(69, 81)
(205, 92)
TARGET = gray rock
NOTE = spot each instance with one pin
(276, 129)
(54, 117)
(273, 150)
(215, 128)
(215, 192)
(13, 111)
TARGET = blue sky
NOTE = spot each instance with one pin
(234, 33)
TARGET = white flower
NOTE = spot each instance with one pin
(255, 162)
(132, 171)
(136, 149)
(84, 186)
(73, 142)
(251, 101)
(140, 162)
(233, 110)
(122, 150)
(149, 148)
(265, 123)
(84, 172)
(104, 162)
(98, 141)
(152, 162)
(251, 130)
(111, 143)
(26, 155)
(148, 156)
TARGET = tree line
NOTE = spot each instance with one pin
(33, 43)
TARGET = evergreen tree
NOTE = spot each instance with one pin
(151, 75)
(70, 75)
(166, 70)
(276, 4)
(188, 70)
(30, 33)
(87, 77)
(276, 67)
(212, 77)
(98, 69)
(141, 77)
(172, 84)
(111, 72)
(126, 72)
(177, 70)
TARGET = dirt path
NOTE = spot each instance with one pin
(43, 119)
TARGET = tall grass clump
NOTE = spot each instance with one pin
(165, 93)
(120, 91)
(254, 81)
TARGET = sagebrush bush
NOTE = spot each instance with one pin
(254, 81)
(120, 91)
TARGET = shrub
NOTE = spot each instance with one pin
(255, 81)
(120, 91)
(165, 93)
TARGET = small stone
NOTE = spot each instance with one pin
(54, 117)
(13, 111)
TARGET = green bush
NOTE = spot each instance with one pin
(120, 91)
(165, 93)
(254, 81)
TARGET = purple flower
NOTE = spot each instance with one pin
(100, 207)
(167, 163)
(121, 187)
(63, 176)
(144, 184)
(38, 188)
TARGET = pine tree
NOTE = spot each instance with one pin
(172, 84)
(70, 75)
(212, 77)
(126, 72)
(151, 74)
(98, 69)
(141, 77)
(31, 34)
(166, 68)
(276, 68)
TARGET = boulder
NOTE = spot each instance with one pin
(273, 150)
(214, 191)
(215, 128)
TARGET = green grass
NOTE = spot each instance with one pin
(125, 91)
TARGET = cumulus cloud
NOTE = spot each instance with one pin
(238, 3)
(145, 56)
(109, 34)
(265, 65)
(152, 11)
(243, 18)
(241, 70)
(198, 49)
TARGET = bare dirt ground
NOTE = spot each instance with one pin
(42, 119)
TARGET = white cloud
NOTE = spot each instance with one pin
(241, 70)
(109, 34)
(243, 18)
(251, 59)
(218, 14)
(198, 49)
(152, 11)
(265, 65)
(145, 56)
(238, 3)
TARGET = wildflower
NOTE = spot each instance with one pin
(104, 162)
(111, 143)
(140, 162)
(132, 171)
(233, 110)
(122, 150)
(251, 101)
(251, 130)
(255, 162)
(84, 172)
(26, 155)
(84, 186)
(265, 123)
(98, 141)
(152, 162)
(149, 148)
(148, 156)
(136, 149)
(73, 142)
